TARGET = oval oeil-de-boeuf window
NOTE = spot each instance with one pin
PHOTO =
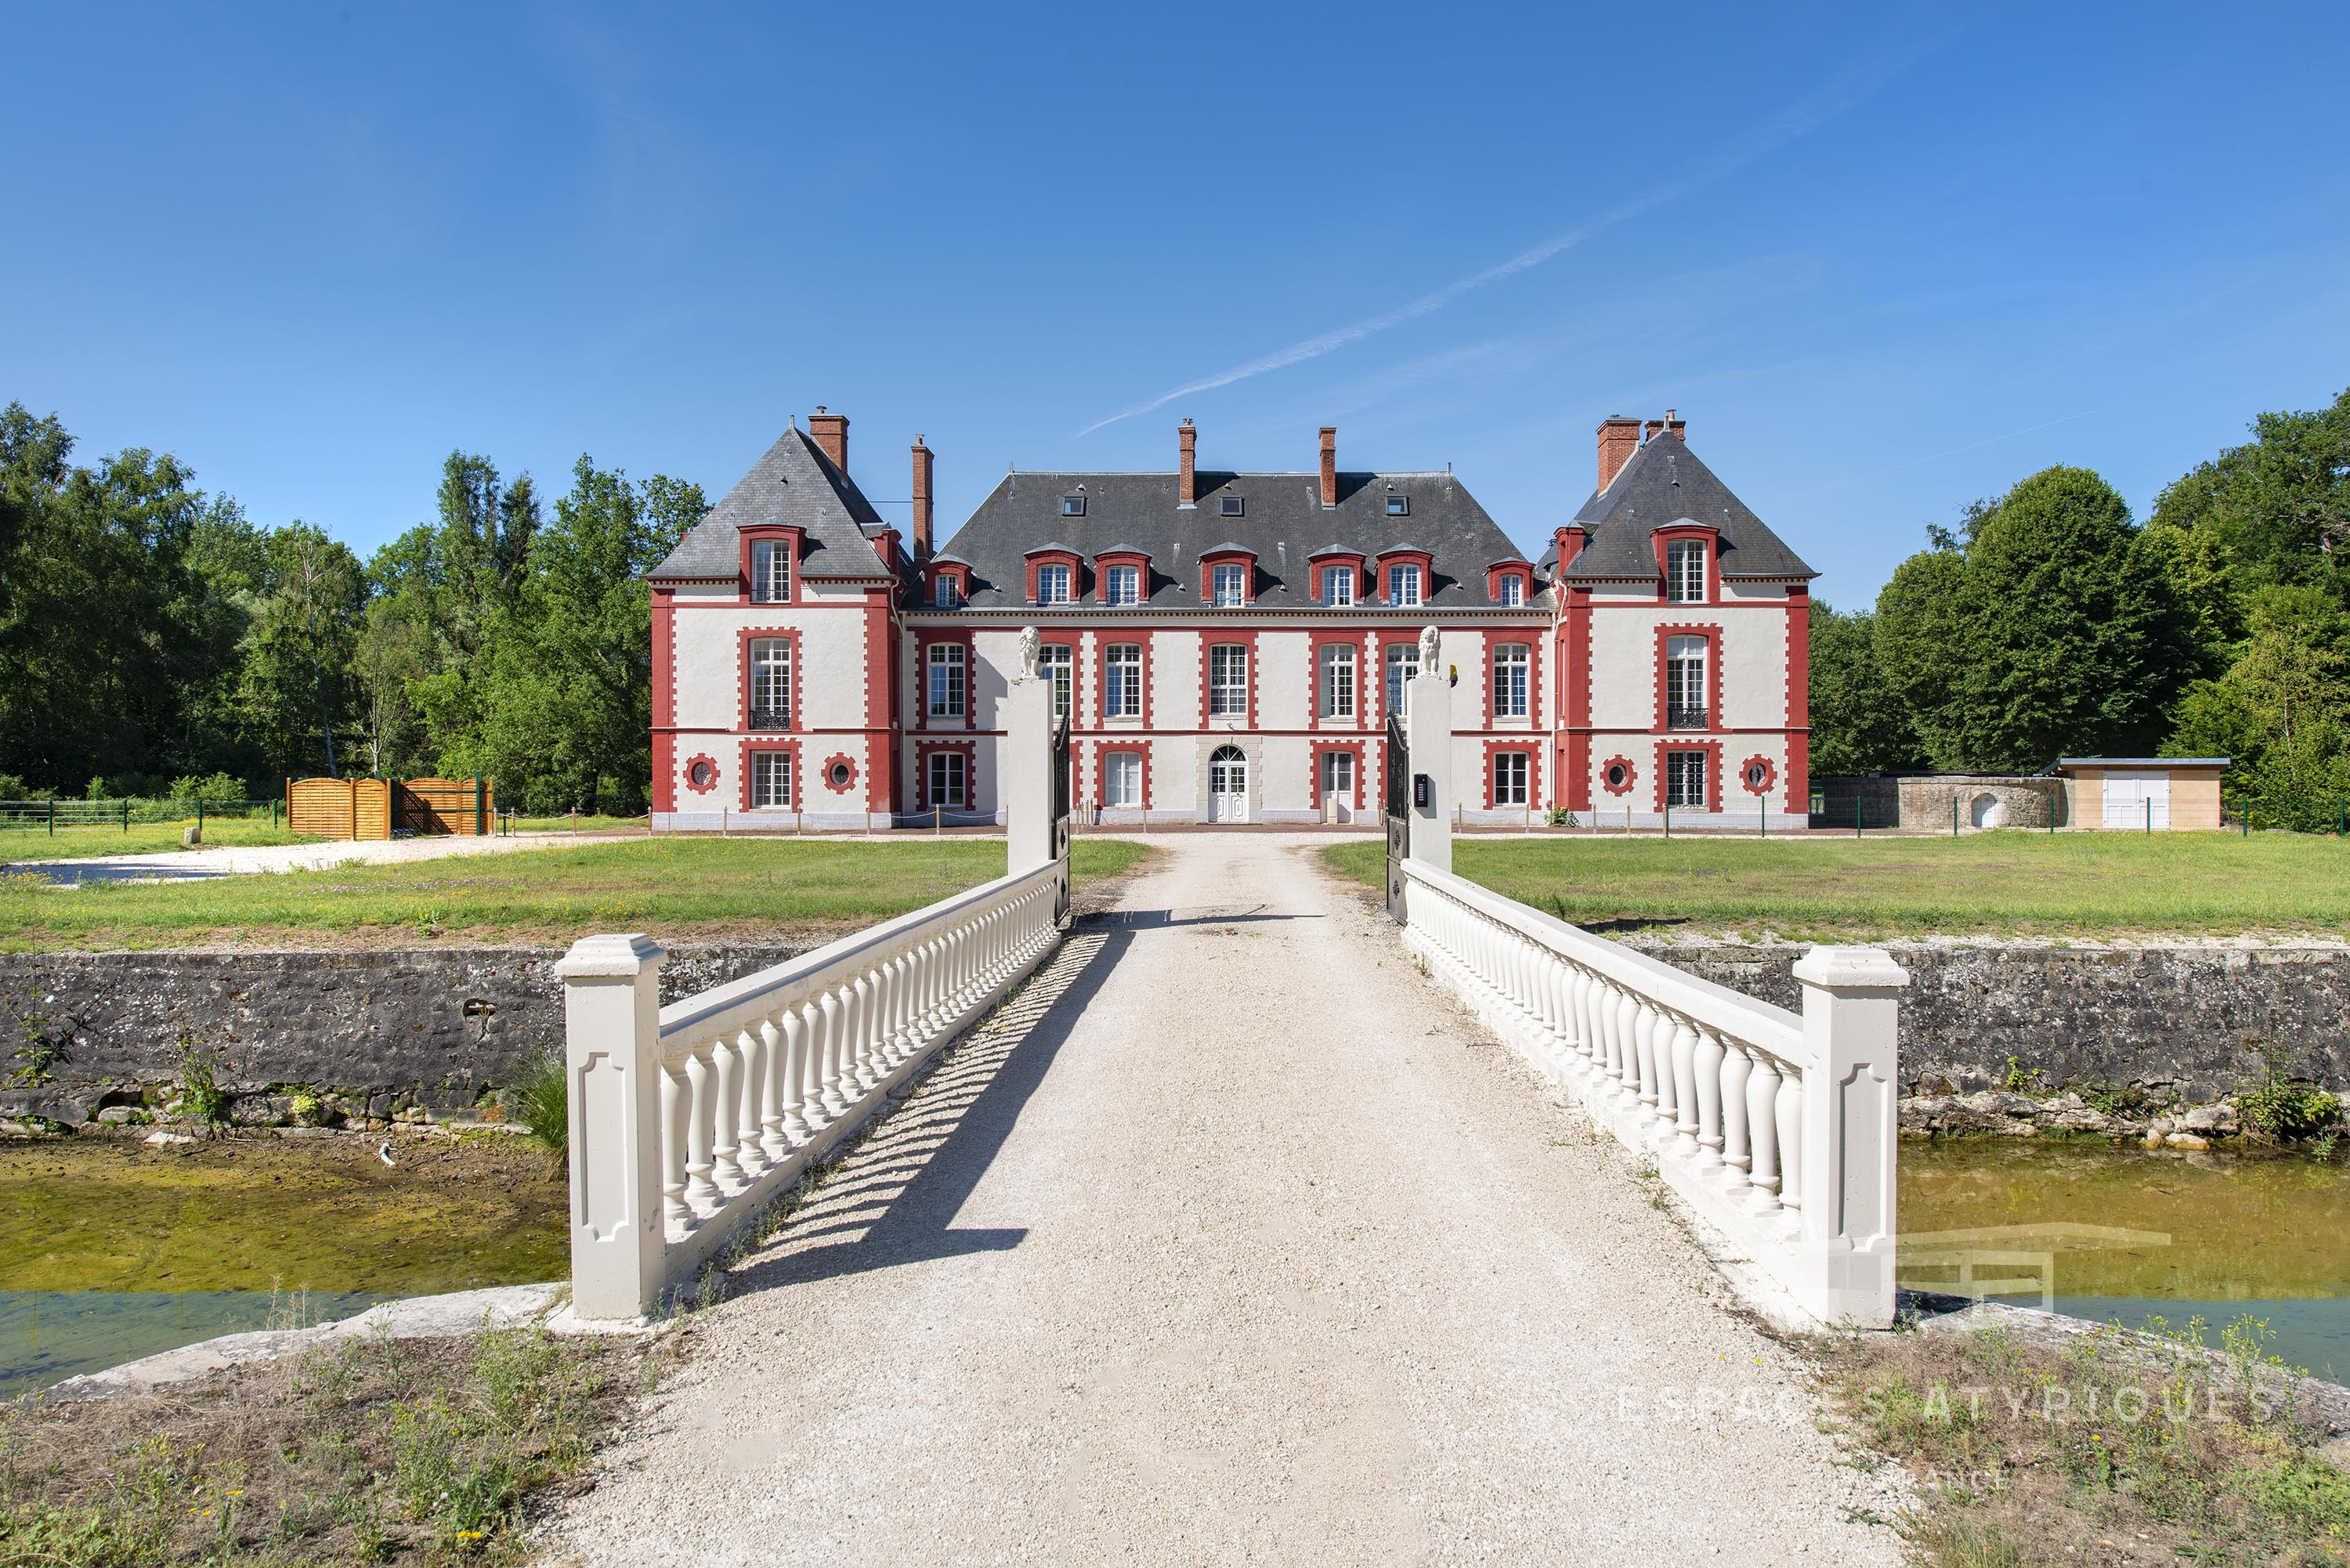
(1615, 775)
(841, 775)
(703, 775)
(1754, 776)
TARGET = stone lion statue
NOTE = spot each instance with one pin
(1429, 641)
(1032, 652)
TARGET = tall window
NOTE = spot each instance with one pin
(1337, 585)
(1122, 779)
(948, 591)
(771, 778)
(1685, 704)
(1685, 779)
(1403, 663)
(946, 680)
(1685, 571)
(1228, 680)
(1510, 778)
(1053, 585)
(1510, 667)
(1053, 659)
(1513, 589)
(1122, 585)
(1403, 585)
(1337, 680)
(1229, 584)
(771, 683)
(771, 572)
(947, 781)
(1122, 681)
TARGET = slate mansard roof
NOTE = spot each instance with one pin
(1662, 484)
(1283, 522)
(796, 485)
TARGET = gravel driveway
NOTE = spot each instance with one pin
(1232, 1241)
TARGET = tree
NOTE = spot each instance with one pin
(1858, 724)
(2049, 629)
(2278, 507)
(299, 684)
(2280, 713)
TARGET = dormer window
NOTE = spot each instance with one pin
(1227, 584)
(771, 571)
(1513, 591)
(1053, 585)
(1403, 585)
(947, 592)
(1685, 571)
(1231, 505)
(1337, 585)
(1073, 506)
(1122, 585)
(1399, 506)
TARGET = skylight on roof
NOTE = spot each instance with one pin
(1073, 506)
(1399, 506)
(1230, 505)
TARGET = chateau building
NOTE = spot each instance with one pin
(1228, 647)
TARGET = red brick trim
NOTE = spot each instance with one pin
(1420, 558)
(742, 794)
(1315, 641)
(664, 630)
(1106, 638)
(1523, 570)
(926, 638)
(933, 575)
(846, 785)
(1316, 750)
(743, 639)
(1214, 558)
(1532, 746)
(1770, 774)
(1799, 698)
(1533, 643)
(922, 754)
(1712, 769)
(1215, 637)
(1712, 635)
(1383, 641)
(1711, 537)
(1316, 564)
(755, 534)
(1631, 773)
(1101, 751)
(696, 761)
(1138, 559)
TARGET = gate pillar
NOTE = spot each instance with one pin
(1429, 729)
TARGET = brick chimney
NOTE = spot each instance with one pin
(1329, 466)
(831, 434)
(1618, 438)
(921, 500)
(1187, 453)
(1674, 427)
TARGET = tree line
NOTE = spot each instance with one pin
(154, 639)
(2049, 623)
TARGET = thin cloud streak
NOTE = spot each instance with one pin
(1846, 91)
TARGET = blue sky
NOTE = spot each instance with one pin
(1883, 260)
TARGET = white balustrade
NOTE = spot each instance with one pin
(686, 1119)
(1777, 1128)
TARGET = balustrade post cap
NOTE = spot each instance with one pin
(1851, 969)
(610, 957)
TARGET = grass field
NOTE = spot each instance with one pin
(2070, 885)
(142, 838)
(670, 887)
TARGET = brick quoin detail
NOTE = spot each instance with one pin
(1314, 718)
(742, 791)
(1631, 774)
(743, 642)
(846, 785)
(1770, 775)
(924, 640)
(1712, 749)
(1532, 746)
(694, 762)
(1214, 637)
(1314, 782)
(664, 697)
(1574, 683)
(881, 701)
(922, 754)
(1101, 750)
(1799, 698)
(1712, 635)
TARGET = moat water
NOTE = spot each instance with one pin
(2146, 1240)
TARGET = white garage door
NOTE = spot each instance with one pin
(2135, 798)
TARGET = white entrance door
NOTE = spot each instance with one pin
(1227, 785)
(1337, 786)
(2138, 798)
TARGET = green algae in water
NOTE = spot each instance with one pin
(2131, 1236)
(109, 1252)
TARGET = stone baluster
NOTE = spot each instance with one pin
(1706, 1060)
(726, 1113)
(1684, 1064)
(1625, 1046)
(1643, 1057)
(677, 1112)
(1790, 1118)
(701, 1192)
(808, 1054)
(1737, 1159)
(750, 1152)
(1762, 1132)
(776, 1086)
(834, 1097)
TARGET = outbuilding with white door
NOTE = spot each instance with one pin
(2142, 794)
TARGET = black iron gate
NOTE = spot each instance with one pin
(1396, 799)
(1062, 797)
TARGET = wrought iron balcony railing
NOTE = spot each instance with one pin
(1686, 718)
(771, 719)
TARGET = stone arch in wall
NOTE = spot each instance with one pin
(1987, 810)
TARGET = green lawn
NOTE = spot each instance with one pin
(82, 843)
(2008, 883)
(745, 888)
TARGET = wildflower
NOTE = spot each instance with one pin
(238, 1491)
